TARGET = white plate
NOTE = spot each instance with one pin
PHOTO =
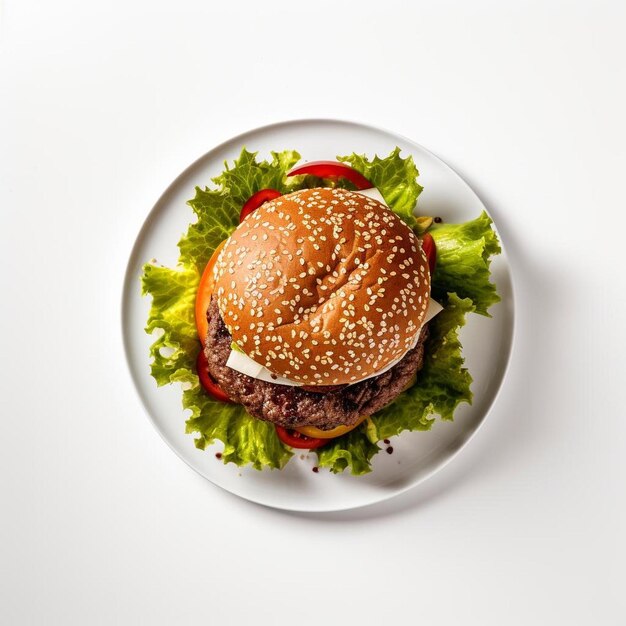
(487, 342)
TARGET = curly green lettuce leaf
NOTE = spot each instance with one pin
(247, 441)
(461, 284)
(464, 254)
(395, 178)
(171, 319)
(353, 451)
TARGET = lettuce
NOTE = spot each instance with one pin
(461, 283)
(395, 178)
(464, 254)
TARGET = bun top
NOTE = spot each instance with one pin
(323, 286)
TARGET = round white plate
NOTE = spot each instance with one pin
(487, 342)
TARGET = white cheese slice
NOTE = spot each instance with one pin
(433, 308)
(243, 363)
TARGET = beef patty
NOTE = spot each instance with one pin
(293, 406)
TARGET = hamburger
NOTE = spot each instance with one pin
(319, 308)
(300, 315)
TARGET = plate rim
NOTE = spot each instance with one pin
(128, 280)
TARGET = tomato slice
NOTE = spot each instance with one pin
(430, 249)
(312, 431)
(203, 295)
(294, 439)
(332, 169)
(256, 200)
(206, 380)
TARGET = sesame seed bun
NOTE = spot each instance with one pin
(323, 286)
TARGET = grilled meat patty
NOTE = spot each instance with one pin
(293, 406)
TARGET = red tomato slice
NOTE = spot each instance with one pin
(207, 382)
(294, 439)
(332, 169)
(430, 249)
(256, 200)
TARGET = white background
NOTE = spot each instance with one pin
(102, 105)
